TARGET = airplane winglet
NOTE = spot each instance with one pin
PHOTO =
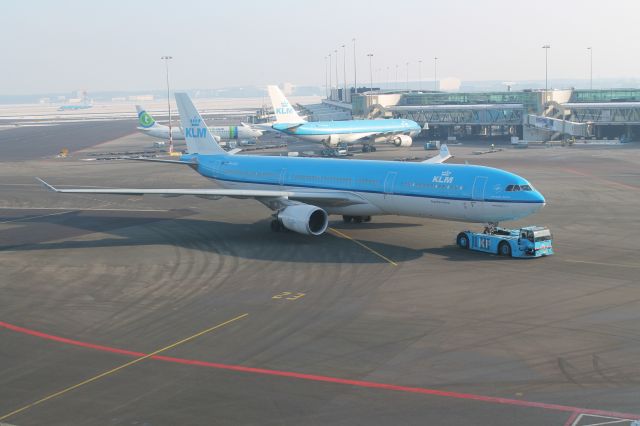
(443, 156)
(49, 187)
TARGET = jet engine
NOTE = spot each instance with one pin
(402, 140)
(304, 219)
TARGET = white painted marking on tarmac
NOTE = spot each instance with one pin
(619, 265)
(40, 185)
(22, 219)
(592, 417)
(84, 209)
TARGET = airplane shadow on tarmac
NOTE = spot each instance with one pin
(255, 241)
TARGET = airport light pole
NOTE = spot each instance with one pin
(420, 75)
(344, 71)
(355, 74)
(326, 78)
(166, 63)
(546, 48)
(396, 77)
(370, 55)
(407, 76)
(590, 49)
(435, 73)
(337, 81)
(330, 82)
(387, 79)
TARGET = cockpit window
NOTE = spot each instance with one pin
(513, 188)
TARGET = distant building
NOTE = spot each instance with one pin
(528, 114)
(140, 98)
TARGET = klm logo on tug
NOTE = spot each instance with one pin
(195, 131)
(445, 177)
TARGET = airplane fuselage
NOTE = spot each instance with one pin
(349, 131)
(444, 191)
(222, 132)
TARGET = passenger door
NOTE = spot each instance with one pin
(389, 182)
(479, 184)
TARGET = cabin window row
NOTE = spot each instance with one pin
(433, 186)
(249, 173)
(333, 179)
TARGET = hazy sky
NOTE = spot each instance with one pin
(52, 46)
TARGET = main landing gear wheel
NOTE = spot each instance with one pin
(504, 249)
(462, 240)
(276, 226)
(356, 219)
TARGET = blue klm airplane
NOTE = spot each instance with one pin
(303, 192)
(397, 131)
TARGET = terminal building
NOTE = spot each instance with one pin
(534, 115)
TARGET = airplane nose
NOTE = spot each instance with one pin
(539, 201)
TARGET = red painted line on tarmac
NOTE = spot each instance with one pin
(326, 379)
(571, 419)
(613, 182)
(69, 341)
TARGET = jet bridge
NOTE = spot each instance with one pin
(557, 125)
(459, 115)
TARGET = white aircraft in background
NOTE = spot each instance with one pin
(149, 126)
(399, 132)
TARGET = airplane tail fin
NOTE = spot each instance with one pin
(145, 120)
(196, 133)
(442, 156)
(282, 108)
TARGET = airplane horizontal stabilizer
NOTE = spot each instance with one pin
(443, 156)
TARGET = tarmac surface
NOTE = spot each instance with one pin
(24, 143)
(163, 311)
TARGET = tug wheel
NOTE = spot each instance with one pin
(462, 240)
(504, 249)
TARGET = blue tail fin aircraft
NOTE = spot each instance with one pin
(303, 192)
(400, 132)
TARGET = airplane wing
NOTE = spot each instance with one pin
(274, 199)
(290, 127)
(159, 160)
(443, 156)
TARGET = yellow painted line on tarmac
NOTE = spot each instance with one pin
(121, 367)
(364, 246)
(619, 265)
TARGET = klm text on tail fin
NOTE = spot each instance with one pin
(196, 133)
(282, 108)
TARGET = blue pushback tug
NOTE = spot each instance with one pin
(530, 241)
